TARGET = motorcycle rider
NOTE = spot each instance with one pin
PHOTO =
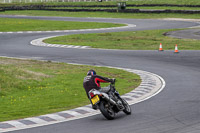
(92, 81)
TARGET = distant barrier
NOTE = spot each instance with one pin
(129, 11)
(120, 7)
(2, 10)
(53, 8)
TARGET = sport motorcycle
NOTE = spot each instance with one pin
(109, 103)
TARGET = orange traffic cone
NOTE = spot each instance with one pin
(176, 49)
(160, 48)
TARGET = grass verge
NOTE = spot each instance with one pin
(101, 14)
(134, 40)
(32, 88)
(11, 24)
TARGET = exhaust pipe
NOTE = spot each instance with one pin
(105, 96)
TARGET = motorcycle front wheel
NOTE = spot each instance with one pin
(127, 108)
(106, 110)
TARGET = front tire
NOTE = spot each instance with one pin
(106, 110)
(127, 107)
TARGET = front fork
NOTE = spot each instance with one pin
(116, 93)
(118, 99)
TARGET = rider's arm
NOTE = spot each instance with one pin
(98, 79)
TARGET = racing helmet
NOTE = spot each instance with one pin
(91, 72)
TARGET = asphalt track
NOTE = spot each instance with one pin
(175, 110)
(188, 33)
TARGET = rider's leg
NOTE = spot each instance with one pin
(105, 89)
(93, 106)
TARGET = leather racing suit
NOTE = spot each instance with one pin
(93, 82)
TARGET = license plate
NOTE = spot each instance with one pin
(95, 99)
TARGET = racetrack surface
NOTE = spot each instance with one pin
(188, 33)
(175, 110)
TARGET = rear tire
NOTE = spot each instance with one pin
(127, 107)
(106, 110)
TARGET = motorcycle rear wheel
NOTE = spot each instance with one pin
(106, 110)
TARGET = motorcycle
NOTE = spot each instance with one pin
(109, 103)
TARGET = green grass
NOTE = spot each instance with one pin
(11, 24)
(32, 88)
(102, 14)
(133, 40)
